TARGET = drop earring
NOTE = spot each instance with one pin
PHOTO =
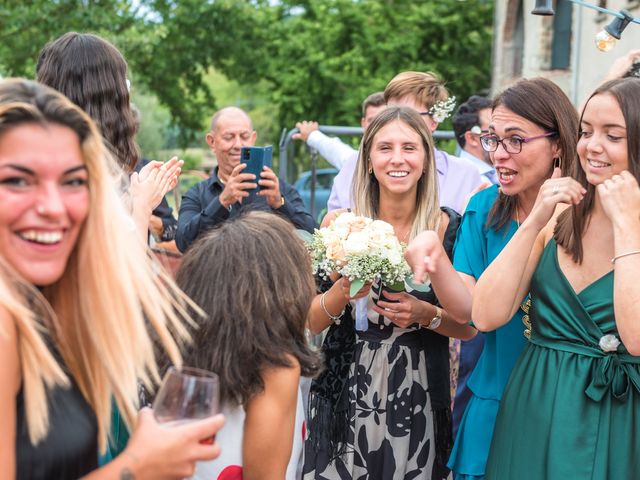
(557, 162)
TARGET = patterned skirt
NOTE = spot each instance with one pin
(391, 433)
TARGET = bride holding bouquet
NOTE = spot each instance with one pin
(382, 408)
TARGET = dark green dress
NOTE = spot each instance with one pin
(571, 409)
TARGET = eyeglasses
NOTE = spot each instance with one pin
(511, 144)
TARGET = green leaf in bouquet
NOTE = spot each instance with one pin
(356, 285)
(305, 236)
(420, 287)
(395, 287)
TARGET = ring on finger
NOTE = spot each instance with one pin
(555, 189)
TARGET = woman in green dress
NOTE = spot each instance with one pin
(571, 407)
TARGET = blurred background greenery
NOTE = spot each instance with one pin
(282, 61)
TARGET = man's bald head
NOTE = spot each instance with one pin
(229, 112)
(231, 129)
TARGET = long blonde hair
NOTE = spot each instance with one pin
(97, 315)
(366, 189)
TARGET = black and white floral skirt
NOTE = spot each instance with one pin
(391, 434)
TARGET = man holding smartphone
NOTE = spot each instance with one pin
(226, 192)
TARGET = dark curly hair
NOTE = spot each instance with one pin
(252, 277)
(92, 73)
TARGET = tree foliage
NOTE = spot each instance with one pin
(314, 59)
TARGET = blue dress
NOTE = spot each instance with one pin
(476, 247)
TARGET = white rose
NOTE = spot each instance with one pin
(336, 252)
(344, 219)
(394, 256)
(609, 343)
(381, 227)
(357, 242)
(359, 224)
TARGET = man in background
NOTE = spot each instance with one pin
(225, 193)
(469, 123)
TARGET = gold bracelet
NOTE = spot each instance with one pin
(334, 318)
(635, 252)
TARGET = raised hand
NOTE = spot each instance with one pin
(305, 128)
(555, 190)
(620, 197)
(237, 185)
(151, 184)
(422, 254)
(622, 65)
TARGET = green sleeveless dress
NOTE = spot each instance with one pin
(571, 409)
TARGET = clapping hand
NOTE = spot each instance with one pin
(151, 184)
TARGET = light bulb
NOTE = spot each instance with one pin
(604, 41)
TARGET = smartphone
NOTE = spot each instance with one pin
(256, 158)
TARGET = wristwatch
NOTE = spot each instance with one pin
(435, 321)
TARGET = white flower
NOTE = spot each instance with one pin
(344, 219)
(394, 256)
(359, 248)
(380, 227)
(609, 343)
(442, 109)
(357, 242)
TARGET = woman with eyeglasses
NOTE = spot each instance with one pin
(533, 130)
(571, 407)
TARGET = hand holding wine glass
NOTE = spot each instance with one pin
(160, 453)
(187, 402)
(187, 395)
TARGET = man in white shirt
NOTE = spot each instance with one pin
(338, 153)
(469, 123)
(334, 150)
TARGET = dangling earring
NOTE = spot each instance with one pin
(557, 162)
(370, 170)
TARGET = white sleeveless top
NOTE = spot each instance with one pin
(228, 466)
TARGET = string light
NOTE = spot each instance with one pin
(606, 38)
(543, 7)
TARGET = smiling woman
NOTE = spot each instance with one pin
(382, 407)
(77, 295)
(45, 199)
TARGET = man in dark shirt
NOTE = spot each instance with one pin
(224, 194)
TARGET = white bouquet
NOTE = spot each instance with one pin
(362, 250)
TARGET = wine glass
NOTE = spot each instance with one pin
(186, 395)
